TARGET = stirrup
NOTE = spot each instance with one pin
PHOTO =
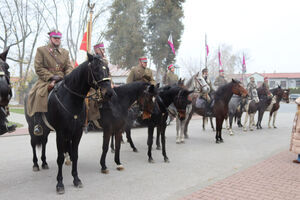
(38, 130)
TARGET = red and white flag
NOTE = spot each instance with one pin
(83, 45)
(244, 64)
(206, 46)
(219, 55)
(170, 41)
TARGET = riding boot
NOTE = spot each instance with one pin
(38, 129)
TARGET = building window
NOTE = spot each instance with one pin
(272, 84)
(297, 83)
(283, 84)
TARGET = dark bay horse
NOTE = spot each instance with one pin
(166, 96)
(115, 115)
(66, 112)
(221, 100)
(5, 94)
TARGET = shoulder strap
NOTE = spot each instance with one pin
(56, 60)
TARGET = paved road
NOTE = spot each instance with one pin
(197, 163)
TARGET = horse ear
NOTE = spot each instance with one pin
(90, 57)
(4, 54)
(179, 81)
(279, 86)
(234, 81)
(150, 88)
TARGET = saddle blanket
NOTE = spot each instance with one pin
(200, 103)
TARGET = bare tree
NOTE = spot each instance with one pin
(190, 66)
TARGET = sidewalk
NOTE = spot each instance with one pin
(19, 118)
(276, 178)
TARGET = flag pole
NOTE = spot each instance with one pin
(89, 42)
(205, 51)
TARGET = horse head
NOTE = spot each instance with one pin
(238, 89)
(5, 88)
(286, 94)
(181, 101)
(147, 100)
(99, 77)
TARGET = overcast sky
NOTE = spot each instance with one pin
(268, 30)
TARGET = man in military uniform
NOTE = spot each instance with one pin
(205, 93)
(93, 106)
(220, 80)
(251, 88)
(141, 72)
(170, 78)
(51, 64)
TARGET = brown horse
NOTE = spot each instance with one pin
(221, 100)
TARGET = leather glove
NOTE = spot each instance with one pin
(56, 78)
(51, 86)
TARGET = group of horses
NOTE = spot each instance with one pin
(66, 113)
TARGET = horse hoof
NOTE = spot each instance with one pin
(269, 127)
(68, 162)
(135, 150)
(150, 160)
(60, 189)
(221, 140)
(158, 148)
(231, 133)
(104, 171)
(275, 126)
(45, 166)
(113, 151)
(166, 160)
(177, 142)
(35, 168)
(182, 141)
(120, 167)
(217, 141)
(186, 136)
(245, 130)
(251, 129)
(78, 183)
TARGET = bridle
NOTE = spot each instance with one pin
(179, 101)
(142, 101)
(93, 82)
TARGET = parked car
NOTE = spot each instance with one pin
(293, 97)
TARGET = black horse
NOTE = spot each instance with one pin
(166, 96)
(5, 94)
(66, 113)
(115, 115)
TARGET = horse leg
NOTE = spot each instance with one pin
(43, 158)
(163, 142)
(181, 122)
(105, 144)
(35, 167)
(245, 122)
(274, 118)
(186, 124)
(227, 124)
(203, 123)
(158, 134)
(117, 154)
(177, 130)
(60, 188)
(212, 124)
(251, 121)
(220, 132)
(217, 130)
(112, 144)
(74, 157)
(270, 118)
(149, 143)
(129, 139)
(230, 124)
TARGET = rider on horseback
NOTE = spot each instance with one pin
(51, 64)
(251, 88)
(170, 78)
(206, 89)
(220, 80)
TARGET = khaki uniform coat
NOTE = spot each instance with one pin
(295, 138)
(220, 80)
(45, 67)
(170, 78)
(139, 73)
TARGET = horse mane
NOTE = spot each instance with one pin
(223, 90)
(73, 77)
(189, 83)
(125, 90)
